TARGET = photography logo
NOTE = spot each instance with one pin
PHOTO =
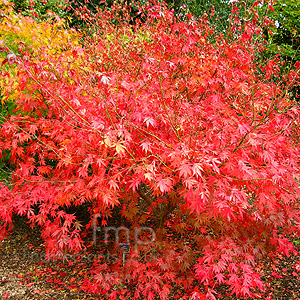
(125, 246)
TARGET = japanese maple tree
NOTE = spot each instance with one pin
(196, 139)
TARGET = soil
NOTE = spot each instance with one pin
(25, 274)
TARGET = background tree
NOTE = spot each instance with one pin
(38, 8)
(217, 12)
(283, 37)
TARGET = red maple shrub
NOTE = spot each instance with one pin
(196, 139)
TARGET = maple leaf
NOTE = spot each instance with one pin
(150, 121)
(210, 294)
(197, 169)
(83, 171)
(149, 176)
(185, 170)
(164, 185)
(135, 182)
(5, 295)
(44, 170)
(164, 293)
(146, 146)
(189, 183)
(220, 277)
(120, 148)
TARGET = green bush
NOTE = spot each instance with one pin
(38, 9)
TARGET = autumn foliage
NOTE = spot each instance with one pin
(196, 139)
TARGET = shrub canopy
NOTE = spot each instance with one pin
(181, 134)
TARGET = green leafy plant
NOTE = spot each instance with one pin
(40, 9)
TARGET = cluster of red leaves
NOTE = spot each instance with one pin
(156, 113)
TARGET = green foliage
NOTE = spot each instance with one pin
(217, 12)
(39, 9)
(6, 109)
(81, 12)
(286, 30)
(283, 37)
(222, 15)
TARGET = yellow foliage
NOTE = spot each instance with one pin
(20, 33)
(16, 29)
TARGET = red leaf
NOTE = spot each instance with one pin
(164, 185)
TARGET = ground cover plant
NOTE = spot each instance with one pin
(196, 139)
